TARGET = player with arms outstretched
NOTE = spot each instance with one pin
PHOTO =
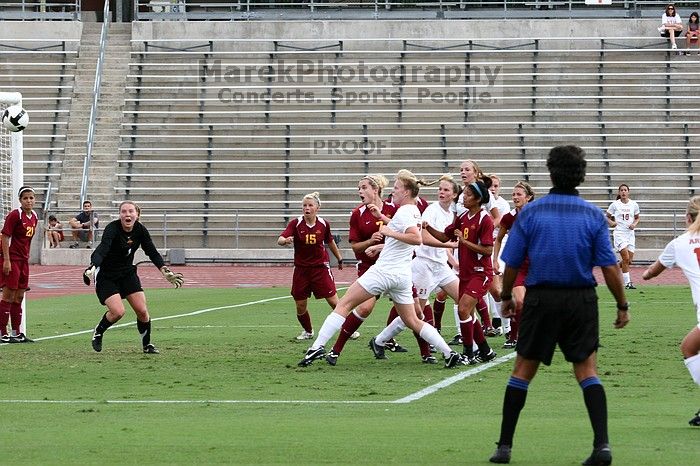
(113, 270)
(684, 252)
(17, 233)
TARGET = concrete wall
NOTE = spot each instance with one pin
(455, 29)
(50, 30)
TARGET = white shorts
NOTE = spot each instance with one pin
(398, 287)
(623, 240)
(697, 311)
(428, 275)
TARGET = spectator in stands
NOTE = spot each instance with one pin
(671, 25)
(310, 234)
(390, 274)
(522, 194)
(560, 305)
(17, 233)
(54, 232)
(83, 225)
(117, 280)
(693, 33)
(473, 231)
(623, 216)
(682, 251)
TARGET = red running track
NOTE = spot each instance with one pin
(50, 281)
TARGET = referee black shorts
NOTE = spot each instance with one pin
(124, 285)
(564, 316)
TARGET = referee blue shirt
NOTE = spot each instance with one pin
(564, 237)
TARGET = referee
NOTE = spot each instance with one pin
(564, 237)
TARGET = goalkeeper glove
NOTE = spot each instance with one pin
(174, 278)
(89, 274)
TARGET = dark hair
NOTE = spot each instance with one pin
(690, 18)
(52, 217)
(670, 5)
(567, 166)
(480, 190)
(620, 187)
(25, 189)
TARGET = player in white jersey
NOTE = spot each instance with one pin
(391, 274)
(684, 252)
(500, 325)
(623, 216)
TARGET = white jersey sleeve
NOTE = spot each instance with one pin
(439, 219)
(396, 255)
(684, 252)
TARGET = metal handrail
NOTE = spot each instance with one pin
(95, 99)
(23, 10)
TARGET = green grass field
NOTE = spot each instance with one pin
(226, 389)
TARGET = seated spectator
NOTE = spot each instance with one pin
(83, 225)
(693, 33)
(54, 232)
(671, 25)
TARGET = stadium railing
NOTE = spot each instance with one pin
(44, 72)
(54, 10)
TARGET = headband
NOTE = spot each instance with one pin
(24, 189)
(478, 189)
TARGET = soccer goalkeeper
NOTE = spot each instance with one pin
(113, 271)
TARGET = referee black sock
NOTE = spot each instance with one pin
(596, 404)
(144, 329)
(103, 325)
(513, 402)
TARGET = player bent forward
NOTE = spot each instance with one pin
(113, 270)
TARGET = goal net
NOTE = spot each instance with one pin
(11, 170)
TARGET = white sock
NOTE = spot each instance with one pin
(505, 324)
(395, 327)
(455, 308)
(693, 365)
(429, 334)
(494, 307)
(626, 277)
(354, 311)
(329, 328)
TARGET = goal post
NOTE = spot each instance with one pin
(11, 169)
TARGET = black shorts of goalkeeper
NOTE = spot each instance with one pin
(123, 285)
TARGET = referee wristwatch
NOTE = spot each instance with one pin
(623, 307)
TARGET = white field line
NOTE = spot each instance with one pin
(407, 399)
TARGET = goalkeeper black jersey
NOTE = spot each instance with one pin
(115, 254)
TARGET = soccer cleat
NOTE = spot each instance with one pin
(355, 335)
(509, 344)
(378, 350)
(311, 355)
(490, 332)
(452, 360)
(150, 349)
(468, 360)
(394, 347)
(332, 358)
(456, 340)
(5, 339)
(487, 357)
(97, 341)
(630, 286)
(21, 338)
(696, 420)
(74, 245)
(428, 359)
(304, 335)
(601, 456)
(501, 455)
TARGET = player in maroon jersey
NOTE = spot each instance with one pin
(473, 229)
(17, 233)
(522, 194)
(310, 234)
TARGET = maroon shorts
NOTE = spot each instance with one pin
(18, 278)
(316, 280)
(475, 286)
